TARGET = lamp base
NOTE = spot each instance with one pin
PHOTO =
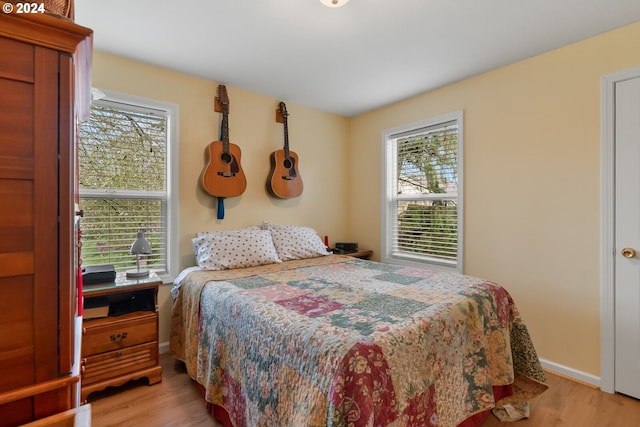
(136, 274)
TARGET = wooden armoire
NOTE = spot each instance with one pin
(45, 64)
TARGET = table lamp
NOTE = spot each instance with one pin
(140, 246)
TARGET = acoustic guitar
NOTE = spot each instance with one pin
(223, 175)
(285, 180)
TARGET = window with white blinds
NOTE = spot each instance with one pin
(124, 152)
(422, 213)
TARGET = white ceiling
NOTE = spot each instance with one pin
(348, 60)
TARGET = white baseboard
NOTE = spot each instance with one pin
(571, 373)
(163, 347)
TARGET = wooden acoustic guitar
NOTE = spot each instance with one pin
(223, 176)
(285, 180)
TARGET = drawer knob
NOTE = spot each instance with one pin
(118, 337)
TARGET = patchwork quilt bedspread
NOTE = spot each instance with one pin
(338, 341)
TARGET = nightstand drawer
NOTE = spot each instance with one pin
(99, 336)
(120, 362)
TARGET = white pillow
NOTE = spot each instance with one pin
(296, 242)
(219, 250)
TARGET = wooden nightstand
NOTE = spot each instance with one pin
(121, 342)
(361, 253)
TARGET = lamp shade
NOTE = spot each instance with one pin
(141, 245)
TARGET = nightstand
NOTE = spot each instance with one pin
(361, 253)
(120, 333)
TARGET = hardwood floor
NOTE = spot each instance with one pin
(570, 404)
(177, 402)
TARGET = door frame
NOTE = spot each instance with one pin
(607, 225)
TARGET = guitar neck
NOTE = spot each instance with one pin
(286, 138)
(225, 131)
(224, 104)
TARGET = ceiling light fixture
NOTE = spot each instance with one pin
(334, 3)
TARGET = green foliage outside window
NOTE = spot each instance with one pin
(429, 229)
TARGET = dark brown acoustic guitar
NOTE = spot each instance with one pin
(285, 180)
(223, 176)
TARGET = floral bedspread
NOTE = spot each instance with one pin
(338, 341)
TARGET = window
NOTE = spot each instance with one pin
(128, 182)
(422, 210)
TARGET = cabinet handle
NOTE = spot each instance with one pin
(118, 337)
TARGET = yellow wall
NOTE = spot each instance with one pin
(319, 139)
(531, 176)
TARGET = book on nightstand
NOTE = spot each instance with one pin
(95, 308)
(96, 312)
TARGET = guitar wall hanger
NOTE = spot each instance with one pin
(279, 116)
(217, 105)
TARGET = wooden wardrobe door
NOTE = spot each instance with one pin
(17, 314)
(28, 223)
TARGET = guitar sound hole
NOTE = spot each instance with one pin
(226, 157)
(287, 163)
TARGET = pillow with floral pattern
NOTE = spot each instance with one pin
(296, 242)
(247, 247)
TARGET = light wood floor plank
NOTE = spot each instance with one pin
(177, 402)
(570, 404)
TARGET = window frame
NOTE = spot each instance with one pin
(389, 199)
(172, 171)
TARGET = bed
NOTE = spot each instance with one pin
(329, 340)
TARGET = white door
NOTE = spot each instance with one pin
(627, 237)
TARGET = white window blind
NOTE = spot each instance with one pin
(422, 177)
(124, 181)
